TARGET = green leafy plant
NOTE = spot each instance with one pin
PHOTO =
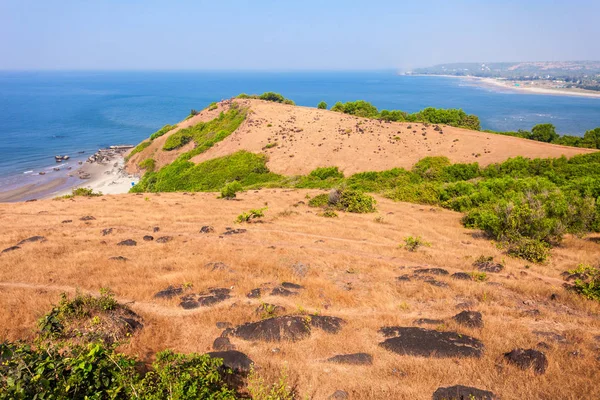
(148, 164)
(251, 215)
(329, 213)
(260, 389)
(588, 282)
(322, 105)
(230, 190)
(414, 243)
(81, 192)
(270, 145)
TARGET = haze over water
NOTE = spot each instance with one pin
(48, 113)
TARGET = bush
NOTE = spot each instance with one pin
(140, 147)
(529, 249)
(178, 139)
(355, 201)
(148, 164)
(162, 131)
(329, 213)
(250, 215)
(588, 282)
(544, 133)
(431, 168)
(229, 190)
(213, 106)
(81, 192)
(322, 106)
(320, 200)
(326, 173)
(413, 243)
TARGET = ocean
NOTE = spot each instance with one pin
(47, 113)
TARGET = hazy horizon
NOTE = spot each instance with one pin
(276, 36)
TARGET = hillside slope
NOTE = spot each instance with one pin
(305, 138)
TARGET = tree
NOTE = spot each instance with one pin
(322, 106)
(544, 133)
(592, 139)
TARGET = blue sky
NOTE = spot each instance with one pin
(291, 35)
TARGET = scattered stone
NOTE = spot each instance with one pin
(290, 285)
(427, 321)
(67, 221)
(472, 319)
(488, 265)
(32, 239)
(326, 323)
(403, 278)
(434, 282)
(281, 291)
(234, 231)
(528, 358)
(235, 360)
(107, 231)
(353, 359)
(169, 292)
(164, 239)
(148, 238)
(155, 229)
(430, 343)
(223, 325)
(339, 395)
(206, 299)
(300, 269)
(87, 218)
(254, 294)
(128, 242)
(222, 344)
(432, 271)
(207, 229)
(119, 258)
(217, 266)
(12, 248)
(462, 276)
(460, 392)
(276, 329)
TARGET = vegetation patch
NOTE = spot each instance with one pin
(414, 243)
(231, 189)
(140, 147)
(587, 282)
(349, 200)
(81, 192)
(267, 96)
(251, 215)
(148, 164)
(162, 131)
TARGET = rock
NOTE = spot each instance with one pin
(169, 292)
(237, 361)
(155, 229)
(281, 291)
(164, 239)
(254, 294)
(461, 276)
(205, 299)
(554, 297)
(290, 285)
(437, 283)
(148, 238)
(217, 266)
(339, 395)
(354, 359)
(67, 221)
(223, 325)
(471, 319)
(403, 278)
(460, 392)
(12, 248)
(107, 231)
(430, 343)
(488, 265)
(552, 336)
(528, 358)
(87, 218)
(128, 242)
(300, 269)
(207, 229)
(222, 344)
(32, 239)
(234, 231)
(276, 329)
(432, 271)
(427, 321)
(119, 258)
(326, 323)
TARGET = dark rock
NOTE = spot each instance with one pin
(222, 344)
(148, 238)
(169, 292)
(12, 248)
(217, 266)
(155, 229)
(326, 323)
(128, 242)
(207, 229)
(67, 221)
(434, 282)
(290, 285)
(237, 361)
(30, 200)
(223, 325)
(234, 231)
(543, 346)
(205, 299)
(554, 297)
(403, 278)
(280, 291)
(528, 358)
(300, 269)
(489, 266)
(32, 239)
(254, 294)
(339, 395)
(354, 359)
(107, 231)
(87, 218)
(430, 343)
(432, 271)
(119, 258)
(427, 321)
(460, 392)
(472, 319)
(462, 276)
(292, 328)
(164, 239)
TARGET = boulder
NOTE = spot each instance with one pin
(169, 292)
(119, 258)
(461, 276)
(12, 248)
(471, 319)
(148, 238)
(430, 343)
(234, 231)
(281, 291)
(254, 293)
(339, 395)
(326, 323)
(164, 239)
(205, 299)
(428, 321)
(107, 231)
(290, 285)
(431, 271)
(128, 242)
(528, 358)
(223, 344)
(87, 218)
(32, 239)
(353, 359)
(460, 392)
(207, 229)
(237, 361)
(276, 329)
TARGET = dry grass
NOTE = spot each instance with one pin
(354, 261)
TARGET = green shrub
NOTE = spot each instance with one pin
(270, 145)
(213, 106)
(250, 215)
(81, 192)
(529, 249)
(162, 131)
(355, 201)
(322, 106)
(431, 168)
(329, 213)
(324, 173)
(479, 276)
(140, 147)
(148, 164)
(413, 243)
(230, 189)
(588, 283)
(320, 200)
(178, 139)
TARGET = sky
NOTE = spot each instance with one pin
(291, 35)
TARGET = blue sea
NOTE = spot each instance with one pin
(48, 113)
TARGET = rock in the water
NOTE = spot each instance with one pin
(254, 293)
(169, 292)
(462, 276)
(354, 359)
(290, 285)
(206, 299)
(428, 321)
(87, 218)
(339, 395)
(432, 271)
(119, 258)
(276, 329)
(148, 238)
(460, 392)
(430, 343)
(237, 361)
(207, 229)
(164, 239)
(281, 291)
(107, 231)
(222, 344)
(32, 239)
(472, 319)
(528, 358)
(128, 242)
(12, 248)
(326, 323)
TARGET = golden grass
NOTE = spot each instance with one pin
(351, 252)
